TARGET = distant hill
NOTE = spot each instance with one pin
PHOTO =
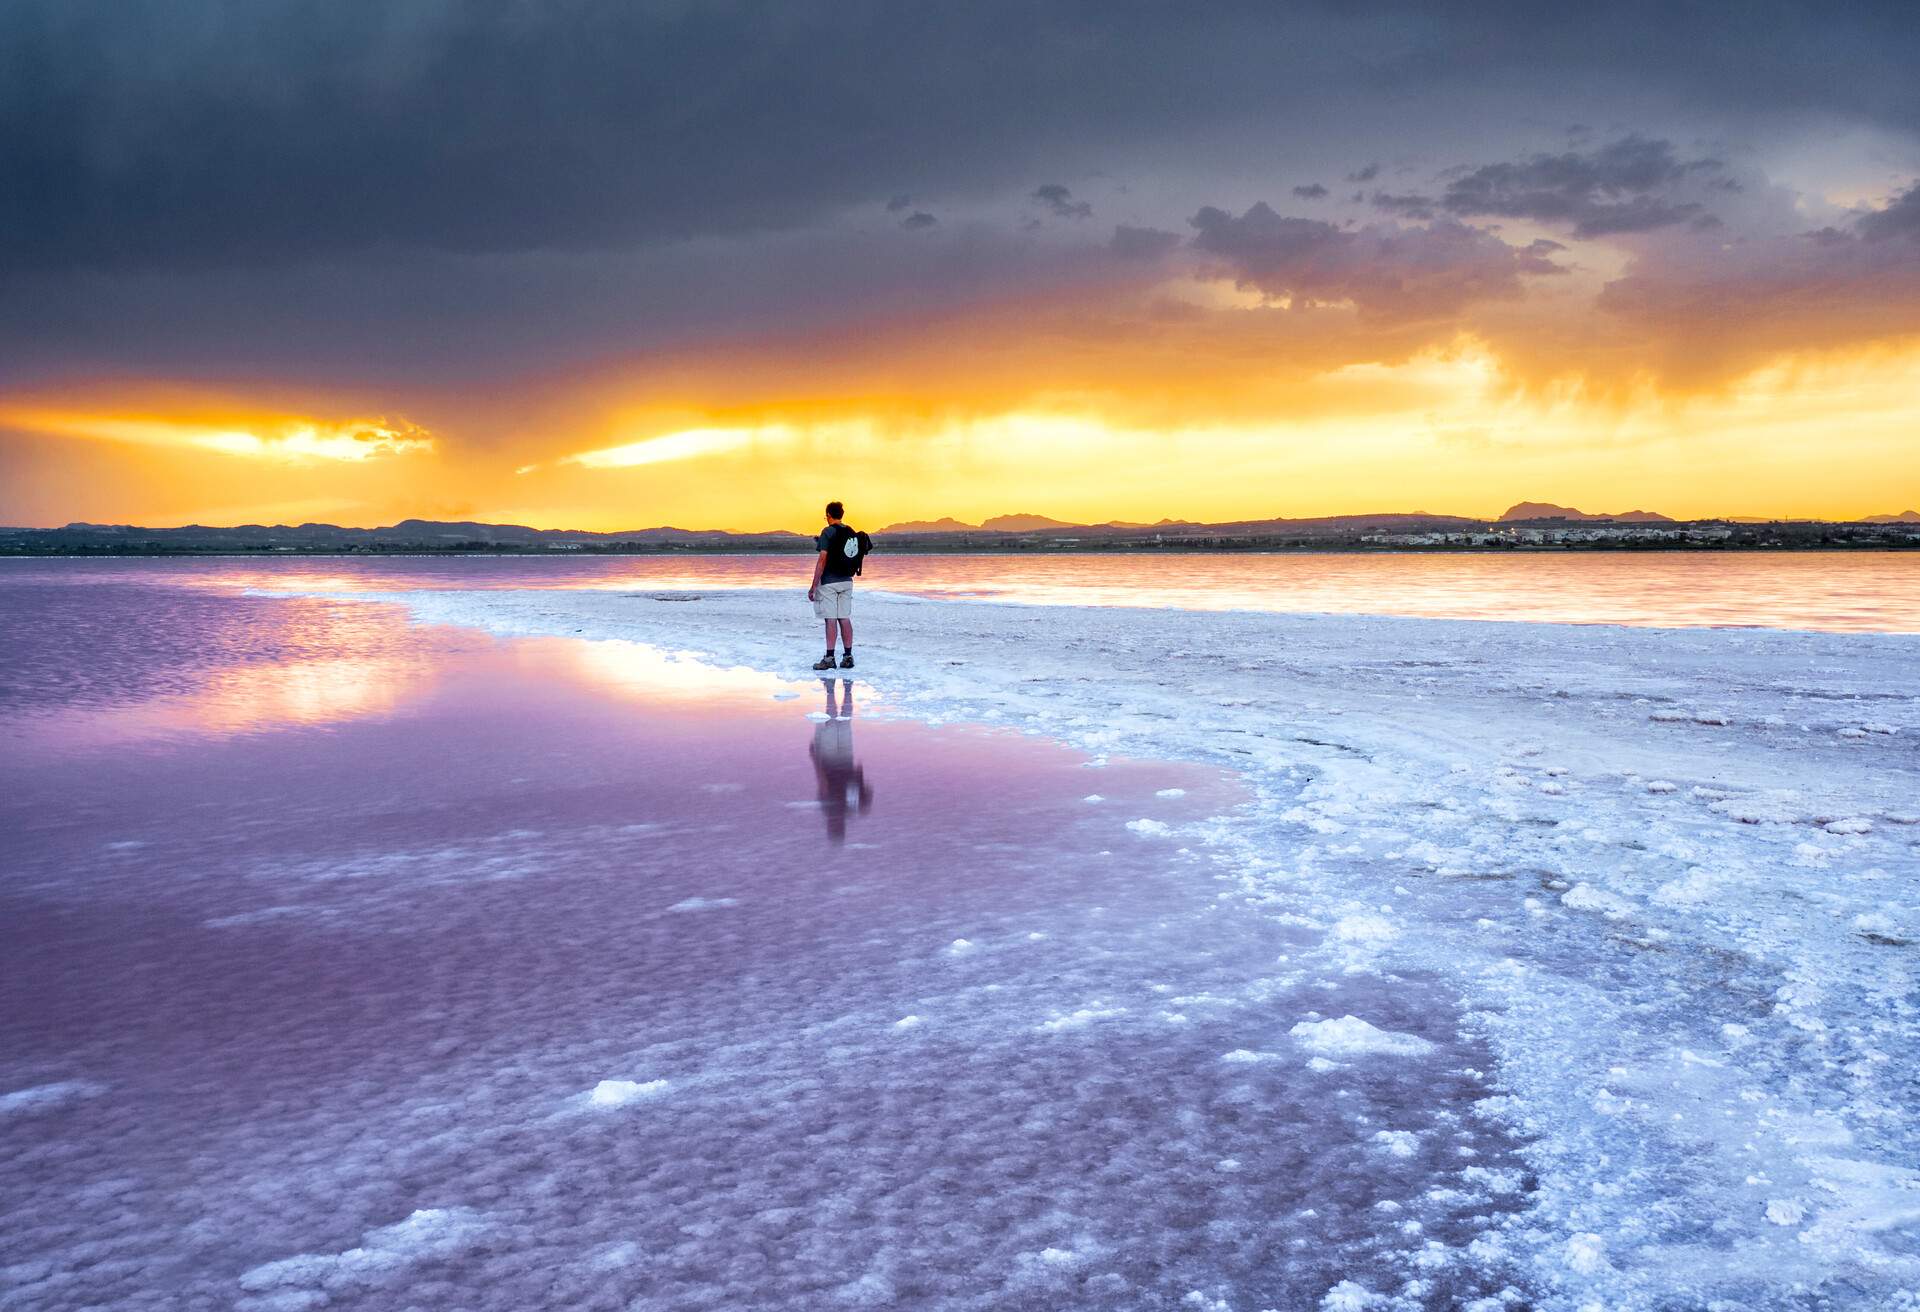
(1547, 510)
(998, 524)
(1904, 517)
(1024, 524)
(943, 525)
(1386, 522)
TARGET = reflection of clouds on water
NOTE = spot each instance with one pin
(250, 700)
(841, 779)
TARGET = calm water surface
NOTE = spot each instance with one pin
(361, 965)
(1875, 591)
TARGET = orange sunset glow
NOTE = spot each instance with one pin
(1447, 430)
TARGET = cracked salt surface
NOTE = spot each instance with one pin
(486, 997)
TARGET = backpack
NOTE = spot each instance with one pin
(853, 549)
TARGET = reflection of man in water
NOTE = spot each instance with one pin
(842, 782)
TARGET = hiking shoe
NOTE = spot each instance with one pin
(826, 662)
(846, 662)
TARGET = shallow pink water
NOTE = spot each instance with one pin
(325, 931)
(1866, 592)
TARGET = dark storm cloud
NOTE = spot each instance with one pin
(1387, 271)
(152, 133)
(1614, 188)
(1059, 202)
(420, 320)
(1410, 205)
(1142, 243)
(1899, 219)
(1312, 191)
(284, 187)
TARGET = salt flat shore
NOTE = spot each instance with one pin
(1671, 876)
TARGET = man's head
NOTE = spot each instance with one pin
(834, 512)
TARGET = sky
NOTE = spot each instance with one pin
(604, 266)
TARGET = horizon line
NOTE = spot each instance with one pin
(1573, 515)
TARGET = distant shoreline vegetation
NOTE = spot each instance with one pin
(1348, 534)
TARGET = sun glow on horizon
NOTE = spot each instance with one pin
(1444, 430)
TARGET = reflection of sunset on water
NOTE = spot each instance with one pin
(636, 670)
(124, 657)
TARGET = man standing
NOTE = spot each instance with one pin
(831, 591)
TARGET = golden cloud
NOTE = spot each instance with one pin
(689, 444)
(284, 438)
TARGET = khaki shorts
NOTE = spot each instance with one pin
(834, 600)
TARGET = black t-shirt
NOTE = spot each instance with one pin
(833, 541)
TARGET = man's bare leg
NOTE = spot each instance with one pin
(830, 624)
(846, 635)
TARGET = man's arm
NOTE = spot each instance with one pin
(819, 568)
